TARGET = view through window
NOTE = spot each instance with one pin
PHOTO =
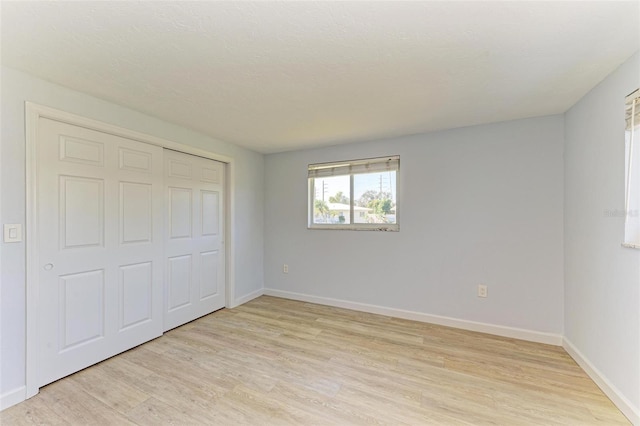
(357, 194)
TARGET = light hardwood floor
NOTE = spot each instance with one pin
(276, 361)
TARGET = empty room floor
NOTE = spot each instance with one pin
(277, 361)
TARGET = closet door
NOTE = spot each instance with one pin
(100, 246)
(194, 238)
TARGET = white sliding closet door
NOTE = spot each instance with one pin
(99, 213)
(194, 238)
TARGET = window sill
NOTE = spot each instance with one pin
(631, 245)
(387, 228)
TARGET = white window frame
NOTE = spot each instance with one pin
(632, 168)
(351, 168)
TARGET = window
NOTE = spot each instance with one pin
(357, 194)
(632, 171)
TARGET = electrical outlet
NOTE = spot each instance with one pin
(482, 290)
(285, 268)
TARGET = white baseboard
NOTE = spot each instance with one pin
(11, 398)
(498, 330)
(623, 404)
(244, 299)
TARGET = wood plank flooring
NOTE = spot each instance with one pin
(274, 361)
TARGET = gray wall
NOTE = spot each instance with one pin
(17, 88)
(481, 204)
(602, 279)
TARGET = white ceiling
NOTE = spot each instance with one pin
(276, 76)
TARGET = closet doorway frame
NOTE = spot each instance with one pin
(33, 113)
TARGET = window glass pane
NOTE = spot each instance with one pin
(331, 200)
(356, 194)
(375, 197)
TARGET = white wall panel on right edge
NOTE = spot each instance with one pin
(478, 205)
(602, 279)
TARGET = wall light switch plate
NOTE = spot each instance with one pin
(12, 232)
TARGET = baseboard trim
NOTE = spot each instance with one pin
(246, 298)
(623, 404)
(11, 398)
(498, 330)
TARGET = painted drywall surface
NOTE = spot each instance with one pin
(17, 88)
(602, 279)
(478, 205)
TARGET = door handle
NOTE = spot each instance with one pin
(48, 266)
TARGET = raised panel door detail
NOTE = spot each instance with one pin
(81, 212)
(135, 212)
(81, 151)
(210, 175)
(180, 212)
(135, 294)
(81, 296)
(179, 169)
(99, 246)
(194, 231)
(135, 161)
(210, 202)
(179, 284)
(208, 274)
